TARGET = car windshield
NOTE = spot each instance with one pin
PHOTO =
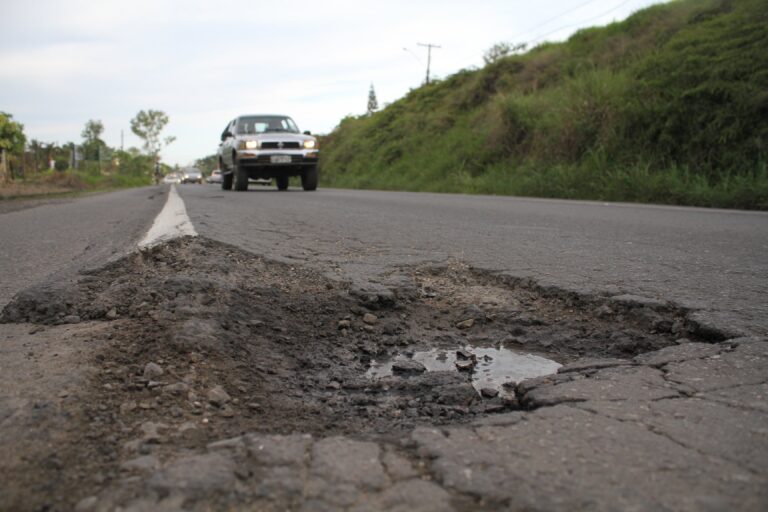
(261, 124)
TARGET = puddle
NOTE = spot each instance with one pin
(495, 366)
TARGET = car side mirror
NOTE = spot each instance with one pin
(307, 132)
(225, 135)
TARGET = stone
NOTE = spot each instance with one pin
(152, 371)
(150, 432)
(111, 314)
(465, 365)
(71, 319)
(344, 324)
(370, 319)
(489, 392)
(466, 324)
(464, 354)
(217, 396)
(407, 366)
(176, 389)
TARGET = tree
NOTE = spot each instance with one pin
(148, 126)
(502, 49)
(92, 131)
(92, 143)
(12, 140)
(373, 104)
(12, 137)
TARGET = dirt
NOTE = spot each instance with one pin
(238, 344)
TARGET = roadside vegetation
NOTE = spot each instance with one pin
(34, 168)
(667, 106)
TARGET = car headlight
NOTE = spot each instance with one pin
(249, 144)
(310, 144)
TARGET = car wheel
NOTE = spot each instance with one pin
(309, 179)
(282, 182)
(241, 178)
(226, 181)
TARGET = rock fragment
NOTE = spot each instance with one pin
(407, 366)
(466, 324)
(217, 396)
(152, 371)
(465, 365)
(370, 319)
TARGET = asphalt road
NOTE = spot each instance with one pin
(53, 239)
(712, 260)
(680, 428)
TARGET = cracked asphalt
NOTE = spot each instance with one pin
(676, 425)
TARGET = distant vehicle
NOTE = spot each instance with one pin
(191, 175)
(265, 147)
(215, 176)
(172, 178)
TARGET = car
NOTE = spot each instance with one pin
(172, 178)
(215, 176)
(266, 146)
(191, 175)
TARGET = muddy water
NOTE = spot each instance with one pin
(495, 366)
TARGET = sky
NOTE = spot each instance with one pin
(203, 63)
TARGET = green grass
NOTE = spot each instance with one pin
(668, 106)
(69, 183)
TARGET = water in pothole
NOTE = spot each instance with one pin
(494, 366)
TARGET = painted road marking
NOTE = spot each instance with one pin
(172, 222)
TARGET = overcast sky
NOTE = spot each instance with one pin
(204, 62)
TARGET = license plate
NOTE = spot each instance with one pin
(280, 159)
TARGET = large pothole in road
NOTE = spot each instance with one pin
(216, 341)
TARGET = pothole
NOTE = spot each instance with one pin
(295, 352)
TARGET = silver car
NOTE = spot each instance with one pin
(265, 146)
(192, 175)
(215, 176)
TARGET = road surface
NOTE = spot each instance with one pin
(231, 370)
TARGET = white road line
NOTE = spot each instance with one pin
(172, 222)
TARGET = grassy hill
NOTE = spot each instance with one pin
(668, 106)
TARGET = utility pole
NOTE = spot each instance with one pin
(121, 140)
(429, 47)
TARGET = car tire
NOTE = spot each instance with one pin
(241, 179)
(282, 182)
(226, 181)
(309, 179)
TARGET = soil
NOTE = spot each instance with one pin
(196, 341)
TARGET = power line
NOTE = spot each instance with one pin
(559, 16)
(622, 4)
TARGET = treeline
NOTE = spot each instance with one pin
(87, 164)
(668, 106)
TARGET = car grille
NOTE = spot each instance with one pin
(277, 145)
(266, 159)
